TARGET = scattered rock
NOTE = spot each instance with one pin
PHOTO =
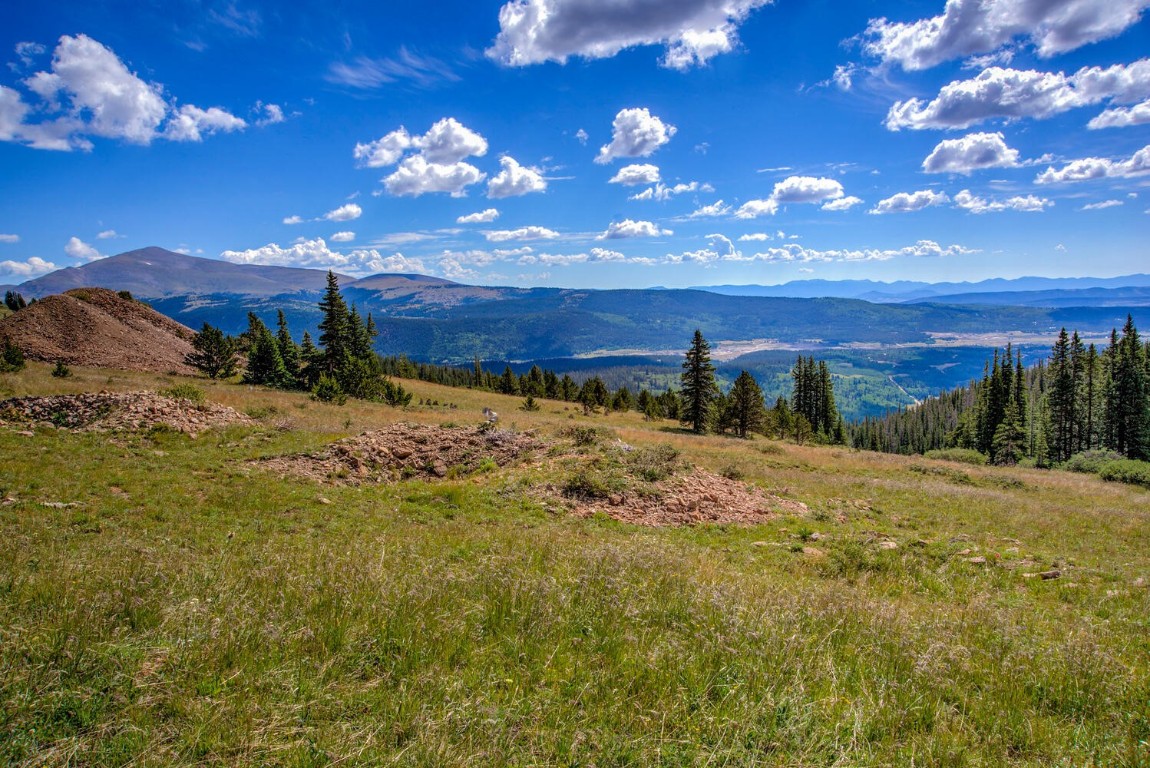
(118, 411)
(976, 560)
(1140, 582)
(888, 545)
(817, 536)
(813, 552)
(60, 504)
(406, 450)
(1048, 575)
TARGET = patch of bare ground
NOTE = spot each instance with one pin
(407, 450)
(117, 411)
(97, 327)
(694, 497)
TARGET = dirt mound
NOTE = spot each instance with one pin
(407, 450)
(97, 327)
(118, 411)
(694, 497)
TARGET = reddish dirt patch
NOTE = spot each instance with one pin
(405, 450)
(691, 498)
(117, 411)
(96, 327)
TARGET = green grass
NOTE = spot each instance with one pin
(190, 609)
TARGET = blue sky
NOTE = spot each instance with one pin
(582, 143)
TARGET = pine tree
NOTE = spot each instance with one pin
(508, 382)
(746, 403)
(1009, 438)
(14, 301)
(1129, 396)
(1061, 399)
(290, 352)
(265, 366)
(335, 336)
(213, 353)
(698, 384)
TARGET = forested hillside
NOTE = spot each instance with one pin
(1080, 399)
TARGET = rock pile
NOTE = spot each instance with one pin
(405, 450)
(117, 411)
(692, 498)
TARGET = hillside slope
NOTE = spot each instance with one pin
(96, 327)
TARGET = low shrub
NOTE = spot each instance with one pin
(189, 392)
(963, 455)
(1091, 462)
(1127, 471)
(61, 371)
(658, 462)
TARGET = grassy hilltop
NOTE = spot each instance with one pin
(164, 601)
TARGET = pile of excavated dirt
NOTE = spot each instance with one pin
(404, 450)
(117, 411)
(99, 328)
(695, 497)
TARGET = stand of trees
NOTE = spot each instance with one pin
(1079, 400)
(343, 365)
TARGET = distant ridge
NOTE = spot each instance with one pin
(156, 273)
(909, 290)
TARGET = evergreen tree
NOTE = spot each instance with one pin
(594, 394)
(782, 418)
(1129, 396)
(213, 353)
(698, 384)
(1009, 438)
(1061, 399)
(335, 329)
(568, 389)
(11, 357)
(265, 366)
(746, 403)
(622, 400)
(290, 352)
(14, 301)
(508, 382)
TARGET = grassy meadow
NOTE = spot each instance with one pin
(165, 602)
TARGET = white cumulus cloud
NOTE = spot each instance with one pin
(78, 249)
(795, 253)
(449, 141)
(88, 91)
(416, 176)
(384, 151)
(479, 217)
(969, 27)
(627, 228)
(906, 202)
(9, 238)
(293, 220)
(636, 174)
(343, 237)
(842, 204)
(32, 267)
(523, 233)
(108, 234)
(693, 31)
(1023, 203)
(191, 123)
(717, 208)
(316, 254)
(635, 132)
(1090, 168)
(972, 152)
(793, 189)
(1122, 117)
(515, 180)
(1013, 94)
(663, 192)
(347, 212)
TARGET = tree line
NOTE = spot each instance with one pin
(1079, 399)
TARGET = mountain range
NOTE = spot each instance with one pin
(440, 320)
(883, 354)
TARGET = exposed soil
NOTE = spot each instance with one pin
(96, 327)
(117, 411)
(694, 497)
(405, 450)
(402, 451)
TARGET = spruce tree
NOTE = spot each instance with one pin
(698, 384)
(213, 353)
(265, 366)
(289, 351)
(746, 403)
(335, 337)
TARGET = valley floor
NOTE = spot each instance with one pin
(166, 600)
